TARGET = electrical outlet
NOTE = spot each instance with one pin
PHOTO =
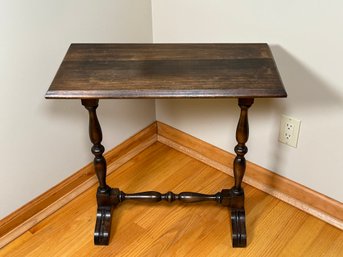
(289, 131)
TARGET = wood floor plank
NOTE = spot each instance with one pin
(202, 229)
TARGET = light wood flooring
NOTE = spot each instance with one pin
(203, 229)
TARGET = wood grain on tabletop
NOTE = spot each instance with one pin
(167, 71)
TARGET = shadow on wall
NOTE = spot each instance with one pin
(305, 88)
(307, 93)
(119, 118)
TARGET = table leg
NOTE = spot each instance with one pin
(104, 211)
(239, 238)
(108, 198)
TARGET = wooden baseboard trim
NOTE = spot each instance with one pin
(44, 205)
(310, 201)
(321, 206)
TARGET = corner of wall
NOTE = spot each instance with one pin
(152, 21)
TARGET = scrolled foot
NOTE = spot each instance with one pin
(103, 226)
(239, 236)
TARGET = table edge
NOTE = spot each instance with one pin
(129, 94)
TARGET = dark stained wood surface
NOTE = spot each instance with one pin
(167, 71)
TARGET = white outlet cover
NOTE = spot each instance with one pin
(289, 130)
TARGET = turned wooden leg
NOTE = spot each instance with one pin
(104, 212)
(242, 135)
(108, 198)
(239, 238)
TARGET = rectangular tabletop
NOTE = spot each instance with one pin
(167, 71)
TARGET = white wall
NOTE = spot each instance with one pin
(306, 39)
(44, 141)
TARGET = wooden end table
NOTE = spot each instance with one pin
(100, 71)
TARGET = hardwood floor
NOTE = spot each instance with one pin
(274, 227)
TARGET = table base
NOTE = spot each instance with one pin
(108, 198)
